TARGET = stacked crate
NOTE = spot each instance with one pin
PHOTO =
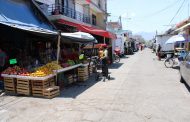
(10, 85)
(70, 79)
(45, 88)
(90, 69)
(23, 87)
(83, 73)
(51, 92)
(38, 87)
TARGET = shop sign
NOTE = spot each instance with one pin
(13, 61)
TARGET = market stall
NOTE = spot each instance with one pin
(35, 56)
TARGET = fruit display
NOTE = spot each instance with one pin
(16, 70)
(53, 66)
(46, 69)
(41, 72)
(71, 62)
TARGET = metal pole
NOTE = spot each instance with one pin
(58, 52)
(104, 40)
(58, 46)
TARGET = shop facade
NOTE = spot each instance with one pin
(39, 60)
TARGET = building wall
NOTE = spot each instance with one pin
(79, 8)
(101, 17)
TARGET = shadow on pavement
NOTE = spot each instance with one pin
(125, 57)
(73, 90)
(176, 67)
(115, 66)
(186, 85)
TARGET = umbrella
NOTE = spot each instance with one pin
(176, 38)
(79, 37)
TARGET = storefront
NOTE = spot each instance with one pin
(38, 60)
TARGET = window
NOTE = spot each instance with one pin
(93, 19)
(99, 3)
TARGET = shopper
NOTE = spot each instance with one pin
(105, 62)
(100, 53)
(3, 57)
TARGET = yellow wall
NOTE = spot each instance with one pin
(99, 19)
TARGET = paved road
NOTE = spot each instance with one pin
(141, 90)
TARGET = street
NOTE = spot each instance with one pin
(141, 89)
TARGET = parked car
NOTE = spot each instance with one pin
(185, 69)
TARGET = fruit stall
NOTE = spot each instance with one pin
(46, 80)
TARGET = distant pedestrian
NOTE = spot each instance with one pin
(159, 52)
(141, 47)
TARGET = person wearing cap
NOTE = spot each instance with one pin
(105, 61)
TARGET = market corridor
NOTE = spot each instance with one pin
(141, 89)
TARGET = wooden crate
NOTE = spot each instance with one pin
(38, 87)
(52, 81)
(83, 78)
(90, 69)
(23, 87)
(10, 85)
(51, 92)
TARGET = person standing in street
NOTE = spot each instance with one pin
(105, 62)
(158, 52)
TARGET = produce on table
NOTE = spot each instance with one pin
(46, 69)
(53, 66)
(16, 70)
(41, 72)
(64, 65)
(71, 62)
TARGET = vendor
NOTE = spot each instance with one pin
(3, 58)
(100, 53)
(105, 61)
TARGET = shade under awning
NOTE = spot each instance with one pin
(24, 15)
(78, 37)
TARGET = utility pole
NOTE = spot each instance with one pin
(188, 10)
(120, 22)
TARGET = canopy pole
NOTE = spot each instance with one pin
(58, 52)
(58, 46)
(104, 40)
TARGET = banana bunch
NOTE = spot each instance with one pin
(46, 69)
(53, 66)
(38, 74)
(41, 72)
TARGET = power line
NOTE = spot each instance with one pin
(152, 14)
(162, 10)
(177, 12)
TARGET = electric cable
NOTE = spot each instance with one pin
(177, 12)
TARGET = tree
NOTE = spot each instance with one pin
(139, 38)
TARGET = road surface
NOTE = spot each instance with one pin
(141, 90)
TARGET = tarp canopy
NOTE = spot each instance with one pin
(78, 37)
(22, 14)
(89, 29)
(174, 39)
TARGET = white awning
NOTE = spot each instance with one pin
(183, 27)
(174, 39)
(78, 37)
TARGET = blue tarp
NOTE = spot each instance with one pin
(20, 14)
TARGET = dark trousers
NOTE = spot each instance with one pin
(105, 67)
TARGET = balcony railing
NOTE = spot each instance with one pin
(69, 12)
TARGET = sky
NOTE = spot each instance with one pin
(147, 15)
